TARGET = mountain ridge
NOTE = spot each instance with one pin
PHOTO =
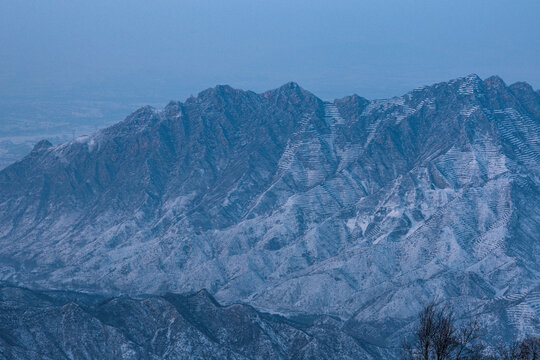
(493, 80)
(170, 326)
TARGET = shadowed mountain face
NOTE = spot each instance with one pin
(360, 209)
(63, 325)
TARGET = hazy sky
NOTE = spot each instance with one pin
(159, 50)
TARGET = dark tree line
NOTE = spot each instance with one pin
(438, 336)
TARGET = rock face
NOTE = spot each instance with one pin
(363, 210)
(62, 325)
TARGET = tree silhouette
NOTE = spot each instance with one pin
(438, 337)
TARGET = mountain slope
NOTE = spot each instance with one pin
(360, 209)
(49, 325)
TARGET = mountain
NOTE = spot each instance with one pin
(26, 120)
(361, 210)
(48, 325)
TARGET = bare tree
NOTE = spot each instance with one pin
(527, 349)
(438, 337)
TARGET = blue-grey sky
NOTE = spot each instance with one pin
(159, 50)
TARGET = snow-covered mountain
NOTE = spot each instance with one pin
(363, 210)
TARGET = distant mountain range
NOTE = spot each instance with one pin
(358, 210)
(25, 121)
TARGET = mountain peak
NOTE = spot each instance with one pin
(473, 76)
(42, 145)
(522, 85)
(470, 79)
(354, 98)
(172, 108)
(495, 82)
(218, 90)
(292, 89)
(173, 104)
(292, 94)
(291, 85)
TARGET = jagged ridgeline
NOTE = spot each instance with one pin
(361, 210)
